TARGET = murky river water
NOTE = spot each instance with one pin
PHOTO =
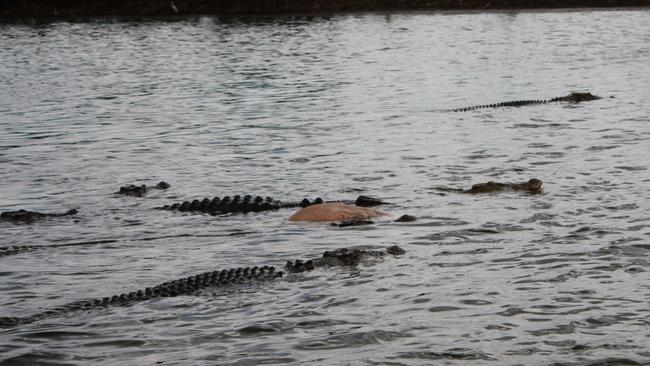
(333, 107)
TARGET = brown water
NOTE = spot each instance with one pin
(331, 107)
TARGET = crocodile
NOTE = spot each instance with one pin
(141, 190)
(569, 98)
(533, 185)
(342, 257)
(31, 216)
(223, 278)
(248, 203)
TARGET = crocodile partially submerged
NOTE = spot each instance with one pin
(141, 190)
(31, 216)
(342, 257)
(248, 203)
(533, 185)
(569, 98)
(223, 278)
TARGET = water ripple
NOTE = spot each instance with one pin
(330, 106)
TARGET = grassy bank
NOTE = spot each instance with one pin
(74, 8)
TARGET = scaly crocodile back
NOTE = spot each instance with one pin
(570, 98)
(514, 103)
(183, 286)
(226, 277)
(237, 204)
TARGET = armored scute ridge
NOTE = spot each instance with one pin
(237, 204)
(223, 278)
(248, 203)
(183, 286)
(570, 98)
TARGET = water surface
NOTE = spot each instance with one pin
(331, 107)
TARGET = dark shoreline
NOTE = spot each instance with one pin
(19, 9)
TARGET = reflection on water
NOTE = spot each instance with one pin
(332, 107)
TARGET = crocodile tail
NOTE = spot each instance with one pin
(12, 322)
(183, 286)
(475, 107)
(6, 251)
(512, 103)
(236, 204)
(306, 202)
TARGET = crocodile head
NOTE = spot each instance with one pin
(163, 185)
(579, 97)
(395, 250)
(534, 185)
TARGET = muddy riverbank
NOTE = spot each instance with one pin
(77, 8)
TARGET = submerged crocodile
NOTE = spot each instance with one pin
(223, 278)
(342, 257)
(533, 185)
(248, 203)
(570, 98)
(141, 190)
(31, 216)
